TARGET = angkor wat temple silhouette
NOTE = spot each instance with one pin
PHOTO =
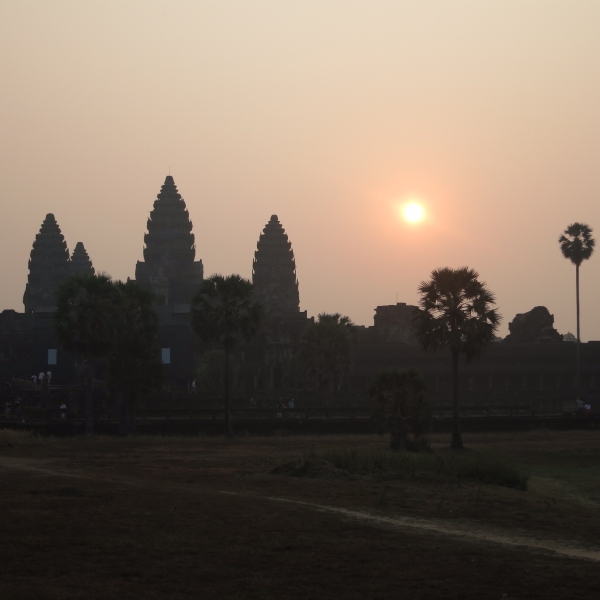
(169, 268)
(537, 370)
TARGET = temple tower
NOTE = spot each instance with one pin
(48, 266)
(169, 268)
(80, 261)
(274, 271)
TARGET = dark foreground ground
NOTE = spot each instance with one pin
(201, 518)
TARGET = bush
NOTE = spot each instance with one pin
(400, 404)
(418, 444)
(491, 470)
(11, 437)
(384, 463)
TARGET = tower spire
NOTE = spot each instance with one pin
(169, 268)
(48, 266)
(274, 271)
(80, 261)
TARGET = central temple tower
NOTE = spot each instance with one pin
(169, 268)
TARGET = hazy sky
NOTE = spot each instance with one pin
(329, 114)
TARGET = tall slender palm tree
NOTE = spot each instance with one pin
(225, 312)
(456, 312)
(133, 363)
(577, 244)
(85, 323)
(325, 351)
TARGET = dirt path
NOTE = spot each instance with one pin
(466, 531)
(463, 530)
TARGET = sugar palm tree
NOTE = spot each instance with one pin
(133, 363)
(84, 322)
(455, 312)
(325, 351)
(224, 312)
(577, 244)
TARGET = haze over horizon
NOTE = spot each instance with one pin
(329, 114)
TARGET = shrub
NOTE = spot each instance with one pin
(490, 470)
(418, 444)
(384, 463)
(400, 404)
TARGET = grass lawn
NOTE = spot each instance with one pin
(145, 517)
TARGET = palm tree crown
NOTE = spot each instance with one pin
(325, 350)
(577, 243)
(84, 316)
(223, 311)
(456, 312)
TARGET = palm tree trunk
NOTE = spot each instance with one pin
(398, 433)
(457, 443)
(122, 400)
(578, 372)
(89, 400)
(228, 428)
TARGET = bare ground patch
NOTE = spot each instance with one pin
(148, 518)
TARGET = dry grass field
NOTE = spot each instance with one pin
(145, 517)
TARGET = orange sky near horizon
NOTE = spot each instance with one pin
(330, 114)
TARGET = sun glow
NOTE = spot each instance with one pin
(413, 212)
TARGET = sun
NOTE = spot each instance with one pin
(413, 212)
